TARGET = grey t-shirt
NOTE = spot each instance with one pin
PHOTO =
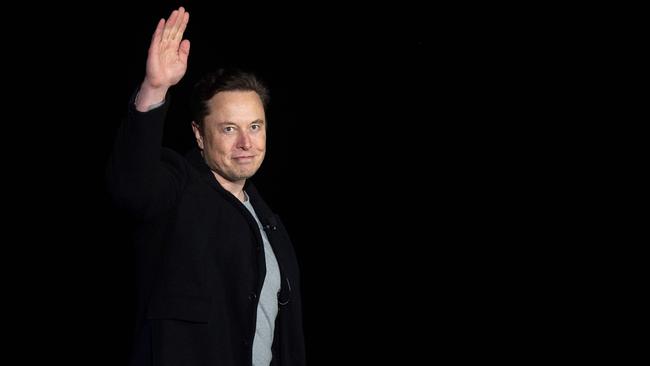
(267, 308)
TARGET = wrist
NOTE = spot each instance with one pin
(149, 97)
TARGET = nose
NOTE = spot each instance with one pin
(244, 141)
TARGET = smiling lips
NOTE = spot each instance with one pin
(243, 159)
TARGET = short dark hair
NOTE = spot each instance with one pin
(223, 80)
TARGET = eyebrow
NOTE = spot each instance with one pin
(260, 121)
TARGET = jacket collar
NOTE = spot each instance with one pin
(196, 159)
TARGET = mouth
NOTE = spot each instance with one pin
(243, 159)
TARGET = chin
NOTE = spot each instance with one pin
(242, 175)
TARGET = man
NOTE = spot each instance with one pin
(218, 281)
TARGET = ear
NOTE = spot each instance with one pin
(198, 135)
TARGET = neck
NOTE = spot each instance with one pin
(235, 188)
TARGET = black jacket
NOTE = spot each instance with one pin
(200, 256)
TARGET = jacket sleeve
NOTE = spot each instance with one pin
(143, 178)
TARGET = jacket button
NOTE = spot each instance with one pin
(252, 296)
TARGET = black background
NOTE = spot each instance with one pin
(380, 161)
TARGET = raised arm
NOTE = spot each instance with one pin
(166, 60)
(144, 178)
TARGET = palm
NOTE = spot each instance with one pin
(167, 59)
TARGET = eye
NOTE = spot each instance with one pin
(228, 129)
(256, 127)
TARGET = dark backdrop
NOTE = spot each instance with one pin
(348, 134)
(371, 164)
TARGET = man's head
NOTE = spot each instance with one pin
(230, 123)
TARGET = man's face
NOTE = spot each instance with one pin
(233, 139)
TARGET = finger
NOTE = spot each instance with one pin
(180, 18)
(155, 38)
(182, 25)
(170, 25)
(184, 50)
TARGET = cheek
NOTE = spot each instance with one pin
(219, 146)
(262, 142)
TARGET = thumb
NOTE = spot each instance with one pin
(184, 50)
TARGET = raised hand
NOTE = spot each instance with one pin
(166, 60)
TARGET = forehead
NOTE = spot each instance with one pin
(235, 106)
